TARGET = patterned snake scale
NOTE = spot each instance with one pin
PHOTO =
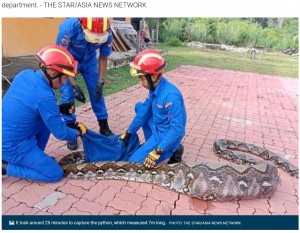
(248, 179)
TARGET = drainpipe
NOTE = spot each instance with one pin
(157, 30)
(141, 27)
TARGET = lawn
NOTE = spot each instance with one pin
(272, 64)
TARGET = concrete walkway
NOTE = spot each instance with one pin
(254, 108)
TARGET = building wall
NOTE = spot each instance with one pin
(25, 36)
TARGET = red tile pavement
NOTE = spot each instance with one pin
(250, 107)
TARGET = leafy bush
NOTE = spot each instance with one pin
(173, 41)
(195, 31)
(247, 32)
(171, 28)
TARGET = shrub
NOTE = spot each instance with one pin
(173, 41)
(248, 32)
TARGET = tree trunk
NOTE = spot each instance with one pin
(279, 22)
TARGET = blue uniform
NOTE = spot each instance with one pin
(163, 119)
(71, 36)
(29, 114)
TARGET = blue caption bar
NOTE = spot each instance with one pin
(16, 222)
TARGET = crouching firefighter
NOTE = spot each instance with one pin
(162, 115)
(30, 113)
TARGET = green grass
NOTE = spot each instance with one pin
(279, 65)
(119, 79)
(115, 80)
(272, 64)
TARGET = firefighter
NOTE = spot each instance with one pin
(89, 40)
(30, 113)
(162, 115)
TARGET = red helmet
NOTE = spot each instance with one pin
(95, 29)
(57, 58)
(148, 61)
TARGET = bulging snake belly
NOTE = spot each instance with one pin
(249, 178)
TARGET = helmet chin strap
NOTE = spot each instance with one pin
(150, 82)
(44, 70)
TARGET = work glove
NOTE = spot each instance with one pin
(125, 138)
(81, 128)
(152, 157)
(99, 91)
(78, 93)
(67, 108)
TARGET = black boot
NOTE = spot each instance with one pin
(4, 167)
(72, 145)
(177, 155)
(104, 129)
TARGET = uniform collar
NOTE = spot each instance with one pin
(159, 86)
(79, 29)
(42, 77)
(81, 35)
